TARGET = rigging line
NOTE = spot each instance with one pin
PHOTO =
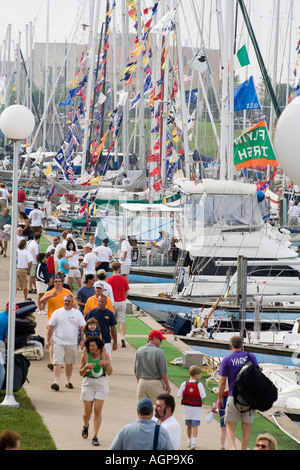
(260, 59)
(53, 89)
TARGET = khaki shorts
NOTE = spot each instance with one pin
(233, 413)
(22, 278)
(150, 388)
(120, 311)
(32, 270)
(4, 236)
(74, 273)
(64, 353)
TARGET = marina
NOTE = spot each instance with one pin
(169, 142)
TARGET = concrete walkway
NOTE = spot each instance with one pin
(62, 411)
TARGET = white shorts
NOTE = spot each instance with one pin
(94, 388)
(73, 273)
(41, 287)
(64, 354)
(125, 268)
(108, 347)
(120, 311)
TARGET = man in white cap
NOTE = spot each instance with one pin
(90, 261)
(125, 256)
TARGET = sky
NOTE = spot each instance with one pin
(66, 18)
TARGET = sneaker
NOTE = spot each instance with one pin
(69, 385)
(123, 344)
(42, 312)
(50, 366)
(55, 387)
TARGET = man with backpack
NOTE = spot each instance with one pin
(229, 369)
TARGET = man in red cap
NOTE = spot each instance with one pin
(151, 369)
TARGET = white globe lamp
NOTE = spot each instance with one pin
(287, 141)
(17, 123)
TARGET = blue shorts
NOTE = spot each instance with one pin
(192, 422)
(222, 413)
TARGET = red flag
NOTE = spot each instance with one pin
(83, 208)
(158, 186)
(153, 158)
(156, 171)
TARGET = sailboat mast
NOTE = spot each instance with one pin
(90, 86)
(46, 74)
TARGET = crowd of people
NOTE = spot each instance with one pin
(88, 319)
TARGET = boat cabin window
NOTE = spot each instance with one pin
(223, 210)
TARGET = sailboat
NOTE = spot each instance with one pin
(220, 221)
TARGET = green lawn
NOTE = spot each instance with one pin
(27, 422)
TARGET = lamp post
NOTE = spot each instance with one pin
(17, 123)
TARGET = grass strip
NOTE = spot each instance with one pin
(27, 422)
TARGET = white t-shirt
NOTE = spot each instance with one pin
(34, 248)
(48, 208)
(90, 259)
(174, 430)
(103, 252)
(36, 217)
(72, 260)
(66, 324)
(125, 246)
(108, 291)
(4, 194)
(24, 258)
(192, 412)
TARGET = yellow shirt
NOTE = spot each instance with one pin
(92, 302)
(56, 302)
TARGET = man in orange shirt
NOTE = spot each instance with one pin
(92, 302)
(54, 300)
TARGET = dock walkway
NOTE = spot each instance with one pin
(62, 411)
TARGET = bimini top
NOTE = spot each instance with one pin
(212, 186)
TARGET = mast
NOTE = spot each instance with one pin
(90, 85)
(142, 156)
(46, 76)
(183, 103)
(125, 60)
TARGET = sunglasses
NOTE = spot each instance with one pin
(58, 280)
(262, 446)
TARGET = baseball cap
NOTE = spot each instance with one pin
(99, 284)
(88, 245)
(156, 334)
(60, 273)
(105, 240)
(145, 405)
(101, 272)
(122, 236)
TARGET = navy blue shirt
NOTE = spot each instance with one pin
(106, 319)
(83, 294)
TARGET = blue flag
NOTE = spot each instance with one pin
(245, 96)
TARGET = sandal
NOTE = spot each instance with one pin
(95, 441)
(85, 432)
